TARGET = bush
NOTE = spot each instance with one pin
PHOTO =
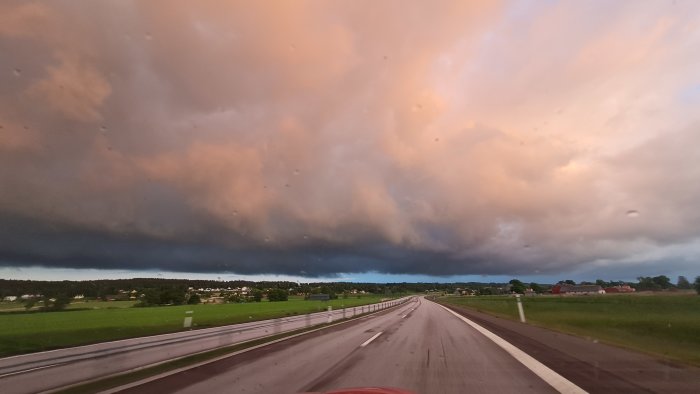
(278, 295)
(194, 299)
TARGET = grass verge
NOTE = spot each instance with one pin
(659, 325)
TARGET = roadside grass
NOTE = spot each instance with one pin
(11, 306)
(655, 324)
(32, 332)
(100, 304)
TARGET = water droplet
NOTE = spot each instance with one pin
(148, 36)
(386, 57)
(103, 128)
(437, 139)
(17, 72)
(306, 236)
(286, 185)
(235, 212)
(267, 239)
(632, 213)
(292, 48)
(296, 172)
(26, 127)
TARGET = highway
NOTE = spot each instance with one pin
(418, 346)
(42, 371)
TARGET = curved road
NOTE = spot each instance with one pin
(419, 346)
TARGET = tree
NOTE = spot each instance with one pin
(517, 286)
(56, 303)
(172, 296)
(662, 281)
(647, 283)
(569, 282)
(278, 295)
(29, 303)
(697, 284)
(236, 298)
(536, 288)
(256, 295)
(151, 297)
(194, 299)
(683, 283)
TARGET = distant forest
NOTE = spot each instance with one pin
(108, 287)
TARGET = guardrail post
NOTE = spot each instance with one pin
(520, 308)
(330, 314)
(188, 320)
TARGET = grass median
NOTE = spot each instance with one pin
(661, 325)
(105, 321)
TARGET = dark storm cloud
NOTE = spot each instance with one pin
(313, 138)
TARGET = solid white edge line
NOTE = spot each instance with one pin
(367, 342)
(560, 383)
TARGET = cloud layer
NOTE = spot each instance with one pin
(314, 138)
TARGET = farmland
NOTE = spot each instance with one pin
(95, 321)
(661, 325)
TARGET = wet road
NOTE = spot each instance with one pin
(419, 346)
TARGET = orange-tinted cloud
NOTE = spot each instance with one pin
(444, 138)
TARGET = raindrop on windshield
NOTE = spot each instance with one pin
(296, 172)
(437, 139)
(235, 212)
(306, 236)
(267, 239)
(103, 128)
(632, 213)
(148, 36)
(17, 72)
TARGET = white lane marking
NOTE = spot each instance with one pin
(29, 370)
(560, 383)
(367, 342)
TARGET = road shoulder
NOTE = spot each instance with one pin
(593, 366)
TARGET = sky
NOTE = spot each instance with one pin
(349, 140)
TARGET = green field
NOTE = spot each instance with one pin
(667, 326)
(30, 332)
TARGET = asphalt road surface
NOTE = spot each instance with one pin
(36, 372)
(419, 346)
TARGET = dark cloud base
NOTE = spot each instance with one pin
(29, 242)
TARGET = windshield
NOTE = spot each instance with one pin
(349, 194)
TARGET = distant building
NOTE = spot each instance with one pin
(620, 289)
(563, 288)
